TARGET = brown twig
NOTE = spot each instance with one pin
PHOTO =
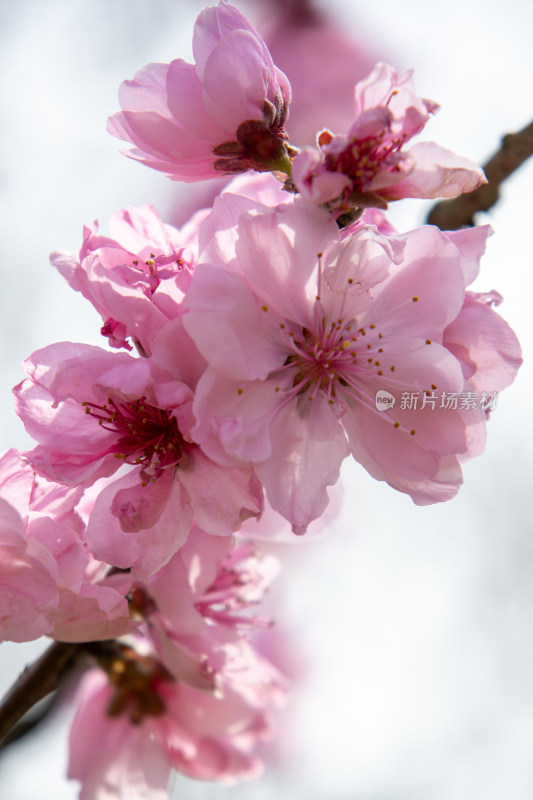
(35, 683)
(515, 148)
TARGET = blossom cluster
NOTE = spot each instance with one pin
(243, 358)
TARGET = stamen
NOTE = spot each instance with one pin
(146, 435)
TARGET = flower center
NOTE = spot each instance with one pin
(362, 159)
(336, 355)
(136, 682)
(147, 435)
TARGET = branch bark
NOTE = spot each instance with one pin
(515, 148)
(35, 683)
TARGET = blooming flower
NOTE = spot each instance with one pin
(49, 583)
(195, 607)
(301, 329)
(93, 411)
(136, 280)
(133, 728)
(368, 166)
(225, 114)
(194, 694)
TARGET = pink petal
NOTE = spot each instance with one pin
(437, 173)
(145, 550)
(485, 345)
(222, 498)
(309, 447)
(147, 90)
(228, 325)
(186, 102)
(471, 243)
(278, 253)
(431, 273)
(235, 80)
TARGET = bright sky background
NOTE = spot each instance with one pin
(415, 622)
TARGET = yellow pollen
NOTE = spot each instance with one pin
(345, 344)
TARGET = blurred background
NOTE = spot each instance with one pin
(412, 627)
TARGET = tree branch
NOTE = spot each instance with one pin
(35, 683)
(515, 148)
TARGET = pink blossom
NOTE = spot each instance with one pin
(195, 607)
(49, 583)
(301, 329)
(225, 114)
(202, 702)
(129, 733)
(136, 280)
(369, 166)
(93, 411)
